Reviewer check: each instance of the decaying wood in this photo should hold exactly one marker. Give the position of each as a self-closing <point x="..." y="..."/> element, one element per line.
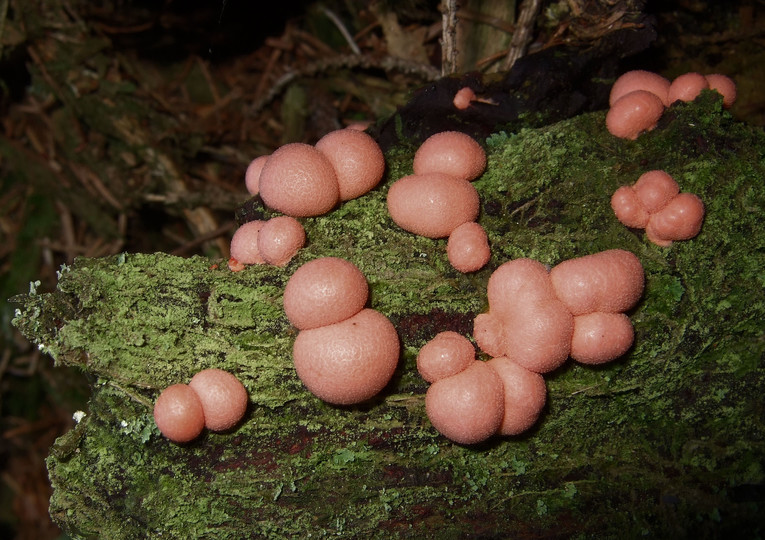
<point x="667" y="441"/>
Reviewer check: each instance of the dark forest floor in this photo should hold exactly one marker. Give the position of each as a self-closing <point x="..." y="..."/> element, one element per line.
<point x="238" y="86"/>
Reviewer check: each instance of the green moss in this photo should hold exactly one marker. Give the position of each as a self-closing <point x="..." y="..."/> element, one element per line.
<point x="666" y="441"/>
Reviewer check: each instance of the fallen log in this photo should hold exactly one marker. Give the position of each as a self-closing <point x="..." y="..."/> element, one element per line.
<point x="666" y="441"/>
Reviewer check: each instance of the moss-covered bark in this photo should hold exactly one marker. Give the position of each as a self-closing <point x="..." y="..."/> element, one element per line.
<point x="668" y="441"/>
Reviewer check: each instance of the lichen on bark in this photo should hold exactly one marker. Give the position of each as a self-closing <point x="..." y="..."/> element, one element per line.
<point x="666" y="441"/>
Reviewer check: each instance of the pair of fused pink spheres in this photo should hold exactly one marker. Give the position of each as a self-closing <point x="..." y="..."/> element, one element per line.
<point x="213" y="399"/>
<point x="654" y="203"/>
<point x="301" y="180"/>
<point x="469" y="400"/>
<point x="439" y="201"/>
<point x="344" y="353"/>
<point x="274" y="241"/>
<point x="638" y="98"/>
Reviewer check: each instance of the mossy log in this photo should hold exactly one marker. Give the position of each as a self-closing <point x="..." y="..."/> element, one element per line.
<point x="667" y="441"/>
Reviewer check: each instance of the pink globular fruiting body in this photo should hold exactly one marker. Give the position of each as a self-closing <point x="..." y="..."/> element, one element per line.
<point x="526" y="321"/>
<point x="489" y="333"/>
<point x="634" y="113"/>
<point x="628" y="208"/>
<point x="655" y="189"/>
<point x="640" y="80"/>
<point x="654" y="203"/>
<point x="610" y="281"/>
<point x="433" y="204"/>
<point x="274" y="241"/>
<point x="600" y="337"/>
<point x="463" y="97"/>
<point x="447" y="354"/>
<point x="299" y="181"/>
<point x="523" y="277"/>
<point x="178" y="413"/>
<point x="324" y="291"/>
<point x="223" y="398"/>
<point x="349" y="361"/>
<point x="725" y="86"/>
<point x="467" y="407"/>
<point x="538" y="336"/>
<point x="468" y="247"/>
<point x="214" y="399"/>
<point x="244" y="243"/>
<point x="279" y="239"/>
<point x="687" y="87"/>
<point x="450" y="152"/>
<point x="680" y="219"/>
<point x="357" y="159"/>
<point x="252" y="174"/>
<point x="344" y="353"/>
<point x="525" y="395"/>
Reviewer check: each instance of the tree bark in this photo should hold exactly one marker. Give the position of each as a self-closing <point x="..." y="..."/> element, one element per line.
<point x="666" y="441"/>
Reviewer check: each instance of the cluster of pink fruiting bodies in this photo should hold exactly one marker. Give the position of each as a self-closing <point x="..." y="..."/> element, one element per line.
<point x="638" y="98"/>
<point x="346" y="353"/>
<point x="654" y="203"/>
<point x="537" y="319"/>
<point x="300" y="180"/>
<point x="438" y="200"/>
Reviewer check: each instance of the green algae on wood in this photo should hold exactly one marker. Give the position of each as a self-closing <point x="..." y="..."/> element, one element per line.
<point x="667" y="441"/>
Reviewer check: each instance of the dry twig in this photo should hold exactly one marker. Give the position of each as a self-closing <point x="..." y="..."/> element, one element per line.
<point x="520" y="42"/>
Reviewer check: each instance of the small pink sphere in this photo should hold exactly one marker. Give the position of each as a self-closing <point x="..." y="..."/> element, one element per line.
<point x="539" y="335"/>
<point x="634" y="113"/>
<point x="244" y="243"/>
<point x="433" y="204"/>
<point x="350" y="361"/>
<point x="489" y="333"/>
<point x="681" y="219"/>
<point x="445" y="355"/>
<point x="610" y="280"/>
<point x="252" y="174"/>
<point x="687" y="87"/>
<point x="324" y="291"/>
<point x="468" y="247"/>
<point x="520" y="278"/>
<point x="525" y="395"/>
<point x="463" y="97"/>
<point x="223" y="397"/>
<point x="279" y="239"/>
<point x="178" y="413"/>
<point x="640" y="80"/>
<point x="450" y="152"/>
<point x="357" y="159"/>
<point x="655" y="189"/>
<point x="467" y="407"/>
<point x="601" y="337"/>
<point x="299" y="181"/>
<point x="725" y="86"/>
<point x="628" y="208"/>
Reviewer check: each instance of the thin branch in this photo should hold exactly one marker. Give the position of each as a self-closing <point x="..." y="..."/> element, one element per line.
<point x="363" y="61"/>
<point x="343" y="30"/>
<point x="520" y="42"/>
<point x="449" y="37"/>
